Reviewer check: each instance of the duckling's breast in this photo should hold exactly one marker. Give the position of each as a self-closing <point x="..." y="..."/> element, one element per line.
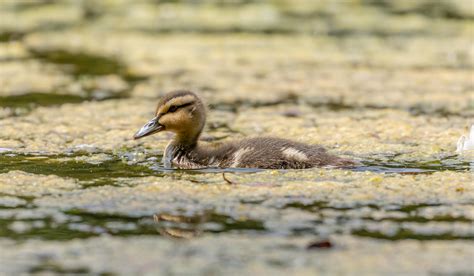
<point x="186" y="158"/>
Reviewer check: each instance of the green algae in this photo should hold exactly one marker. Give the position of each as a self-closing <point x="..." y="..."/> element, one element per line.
<point x="450" y="163"/>
<point x="404" y="234"/>
<point x="55" y="268"/>
<point x="81" y="225"/>
<point x="49" y="230"/>
<point x="31" y="100"/>
<point x="28" y="5"/>
<point x="308" y="78"/>
<point x="81" y="63"/>
<point x="10" y="36"/>
<point x="105" y="172"/>
<point x="438" y="9"/>
<point x="102" y="172"/>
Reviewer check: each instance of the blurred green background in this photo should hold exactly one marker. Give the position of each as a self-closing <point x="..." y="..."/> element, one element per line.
<point x="326" y="17"/>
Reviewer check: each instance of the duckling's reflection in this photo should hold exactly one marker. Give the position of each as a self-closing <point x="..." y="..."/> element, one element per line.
<point x="179" y="226"/>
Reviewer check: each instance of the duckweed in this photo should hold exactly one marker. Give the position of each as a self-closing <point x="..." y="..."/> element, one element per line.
<point x="80" y="63"/>
<point x="79" y="196"/>
<point x="70" y="168"/>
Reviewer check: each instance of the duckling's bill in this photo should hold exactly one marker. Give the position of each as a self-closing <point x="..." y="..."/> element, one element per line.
<point x="153" y="126"/>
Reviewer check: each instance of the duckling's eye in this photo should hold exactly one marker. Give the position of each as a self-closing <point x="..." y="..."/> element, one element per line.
<point x="172" y="108"/>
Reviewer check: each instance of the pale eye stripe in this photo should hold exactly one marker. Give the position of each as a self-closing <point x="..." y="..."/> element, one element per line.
<point x="181" y="100"/>
<point x="173" y="108"/>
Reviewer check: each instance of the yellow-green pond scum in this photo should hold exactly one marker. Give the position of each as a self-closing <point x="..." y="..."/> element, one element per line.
<point x="387" y="83"/>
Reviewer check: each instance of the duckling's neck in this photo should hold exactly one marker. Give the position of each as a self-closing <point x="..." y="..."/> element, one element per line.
<point x="179" y="148"/>
<point x="186" y="140"/>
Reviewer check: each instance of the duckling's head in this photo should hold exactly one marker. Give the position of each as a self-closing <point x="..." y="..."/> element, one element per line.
<point x="181" y="112"/>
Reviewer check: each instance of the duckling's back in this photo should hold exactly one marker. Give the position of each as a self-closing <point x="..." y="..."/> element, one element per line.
<point x="275" y="153"/>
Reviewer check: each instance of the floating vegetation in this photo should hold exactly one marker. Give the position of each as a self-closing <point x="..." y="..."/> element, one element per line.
<point x="50" y="165"/>
<point x="85" y="64"/>
<point x="81" y="63"/>
<point x="22" y="104"/>
<point x="83" y="224"/>
<point x="79" y="196"/>
<point x="10" y="36"/>
<point x="403" y="234"/>
<point x="38" y="99"/>
<point x="116" y="167"/>
<point x="47" y="99"/>
<point x="451" y="163"/>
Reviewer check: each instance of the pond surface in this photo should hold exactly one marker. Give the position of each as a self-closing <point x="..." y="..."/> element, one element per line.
<point x="79" y="196"/>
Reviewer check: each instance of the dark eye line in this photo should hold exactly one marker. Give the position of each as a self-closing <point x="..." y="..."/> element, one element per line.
<point x="173" y="108"/>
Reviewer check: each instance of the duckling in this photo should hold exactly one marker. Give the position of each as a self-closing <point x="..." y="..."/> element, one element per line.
<point x="183" y="113"/>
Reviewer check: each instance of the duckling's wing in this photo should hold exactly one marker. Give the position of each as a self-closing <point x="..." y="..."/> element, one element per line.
<point x="276" y="153"/>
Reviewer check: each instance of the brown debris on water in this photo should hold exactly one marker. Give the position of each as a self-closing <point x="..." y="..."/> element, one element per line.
<point x="320" y="245"/>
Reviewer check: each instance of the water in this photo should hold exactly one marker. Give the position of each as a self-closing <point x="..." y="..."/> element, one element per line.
<point x="85" y="224"/>
<point x="449" y="163"/>
<point x="282" y="70"/>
